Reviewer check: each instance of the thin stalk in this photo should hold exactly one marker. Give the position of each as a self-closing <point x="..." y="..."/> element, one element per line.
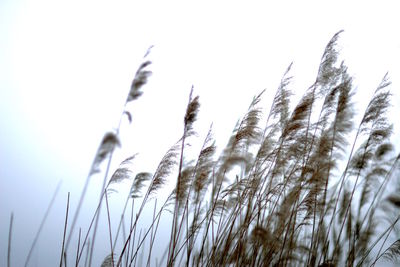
<point x="65" y="231"/>
<point x="9" y="241"/>
<point x="176" y="210"/>
<point x="87" y="252"/>
<point x="103" y="190"/>
<point x="42" y="224"/>
<point x="109" y="229"/>
<point x="131" y="243"/>
<point x="151" y="234"/>
<point x="140" y="234"/>
<point x="77" y="250"/>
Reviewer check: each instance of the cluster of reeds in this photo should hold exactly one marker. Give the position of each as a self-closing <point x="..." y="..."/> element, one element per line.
<point x="308" y="187"/>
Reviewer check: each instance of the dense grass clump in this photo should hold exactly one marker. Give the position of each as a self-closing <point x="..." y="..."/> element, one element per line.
<point x="306" y="187"/>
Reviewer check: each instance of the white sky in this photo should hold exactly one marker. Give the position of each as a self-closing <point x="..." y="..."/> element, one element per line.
<point x="66" y="67"/>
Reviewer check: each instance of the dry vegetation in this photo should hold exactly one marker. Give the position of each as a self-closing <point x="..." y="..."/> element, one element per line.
<point x="306" y="187"/>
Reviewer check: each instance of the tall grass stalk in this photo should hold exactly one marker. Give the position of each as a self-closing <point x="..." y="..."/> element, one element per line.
<point x="65" y="232"/>
<point x="9" y="240"/>
<point x="42" y="223"/>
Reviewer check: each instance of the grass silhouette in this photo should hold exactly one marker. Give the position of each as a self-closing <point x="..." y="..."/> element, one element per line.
<point x="304" y="188"/>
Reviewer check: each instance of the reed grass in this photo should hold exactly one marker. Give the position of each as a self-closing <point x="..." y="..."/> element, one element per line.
<point x="307" y="186"/>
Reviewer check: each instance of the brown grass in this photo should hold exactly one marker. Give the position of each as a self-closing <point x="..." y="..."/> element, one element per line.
<point x="291" y="191"/>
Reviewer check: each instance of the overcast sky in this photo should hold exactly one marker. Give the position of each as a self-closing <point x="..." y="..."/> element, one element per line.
<point x="66" y="68"/>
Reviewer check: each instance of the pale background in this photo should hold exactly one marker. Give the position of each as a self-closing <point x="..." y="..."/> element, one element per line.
<point x="66" y="68"/>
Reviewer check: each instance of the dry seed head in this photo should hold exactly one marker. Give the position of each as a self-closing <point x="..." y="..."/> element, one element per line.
<point x="110" y="140"/>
